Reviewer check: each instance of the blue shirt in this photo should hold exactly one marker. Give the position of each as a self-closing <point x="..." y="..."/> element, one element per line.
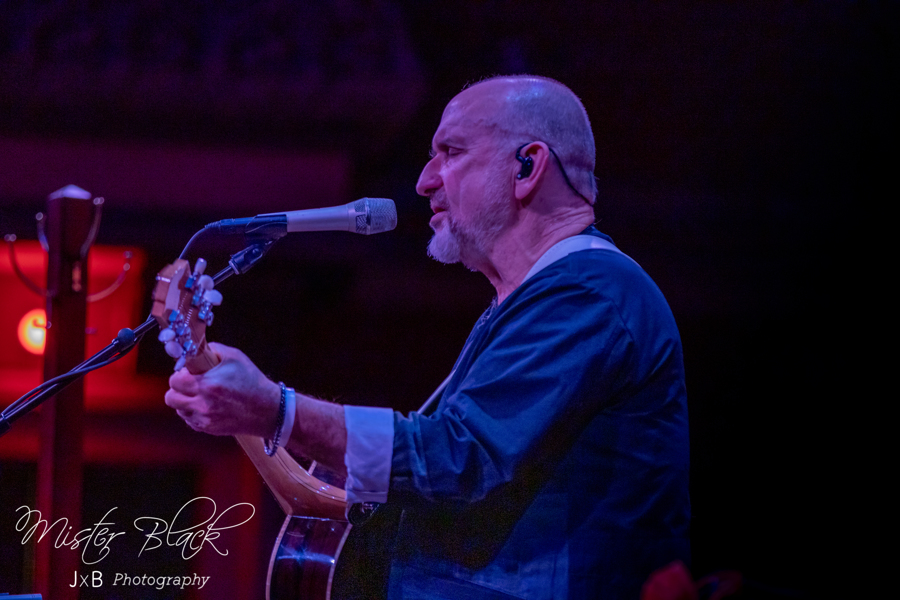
<point x="556" y="462"/>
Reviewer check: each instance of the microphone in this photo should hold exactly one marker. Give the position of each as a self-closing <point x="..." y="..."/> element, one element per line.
<point x="365" y="216"/>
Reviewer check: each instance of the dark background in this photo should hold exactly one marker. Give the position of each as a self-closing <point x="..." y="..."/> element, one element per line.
<point x="733" y="141"/>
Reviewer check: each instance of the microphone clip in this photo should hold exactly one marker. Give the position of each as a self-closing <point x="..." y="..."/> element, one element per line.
<point x="261" y="228"/>
<point x="242" y="261"/>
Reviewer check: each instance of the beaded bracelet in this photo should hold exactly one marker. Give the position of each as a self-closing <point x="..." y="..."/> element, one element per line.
<point x="285" y="422"/>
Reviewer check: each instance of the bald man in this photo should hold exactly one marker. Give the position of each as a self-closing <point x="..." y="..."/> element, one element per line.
<point x="553" y="462"/>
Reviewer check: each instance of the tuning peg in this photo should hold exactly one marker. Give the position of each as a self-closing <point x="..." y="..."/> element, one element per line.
<point x="166" y="335"/>
<point x="199" y="267"/>
<point x="206" y="282"/>
<point x="174" y="349"/>
<point x="214" y="297"/>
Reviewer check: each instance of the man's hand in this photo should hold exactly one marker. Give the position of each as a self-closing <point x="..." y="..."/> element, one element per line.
<point x="234" y="397"/>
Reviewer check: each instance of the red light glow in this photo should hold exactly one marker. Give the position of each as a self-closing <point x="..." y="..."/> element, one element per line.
<point x="33" y="331"/>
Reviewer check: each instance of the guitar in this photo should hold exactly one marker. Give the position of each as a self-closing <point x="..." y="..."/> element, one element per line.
<point x="316" y="533"/>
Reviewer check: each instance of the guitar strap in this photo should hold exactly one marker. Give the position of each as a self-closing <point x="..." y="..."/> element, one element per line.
<point x="423" y="410"/>
<point x="567" y="246"/>
<point x="556" y="252"/>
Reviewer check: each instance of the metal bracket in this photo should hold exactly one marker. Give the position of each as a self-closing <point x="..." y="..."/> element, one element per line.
<point x="88" y="242"/>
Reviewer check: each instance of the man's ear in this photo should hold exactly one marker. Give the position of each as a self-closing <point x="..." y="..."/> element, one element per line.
<point x="534" y="158"/>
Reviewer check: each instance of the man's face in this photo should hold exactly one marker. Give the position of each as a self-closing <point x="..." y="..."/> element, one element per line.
<point x="469" y="181"/>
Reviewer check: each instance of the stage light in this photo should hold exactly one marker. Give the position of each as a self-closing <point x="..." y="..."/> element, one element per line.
<point x="33" y="331"/>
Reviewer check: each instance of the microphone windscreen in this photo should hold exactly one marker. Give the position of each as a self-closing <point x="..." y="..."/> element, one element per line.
<point x="375" y="215"/>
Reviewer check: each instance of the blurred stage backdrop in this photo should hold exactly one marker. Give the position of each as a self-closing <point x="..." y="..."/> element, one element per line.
<point x="729" y="139"/>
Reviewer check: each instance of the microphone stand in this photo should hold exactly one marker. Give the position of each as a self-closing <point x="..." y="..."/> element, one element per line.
<point x="125" y="341"/>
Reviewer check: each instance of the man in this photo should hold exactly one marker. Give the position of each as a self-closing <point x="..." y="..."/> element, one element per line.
<point x="555" y="462"/>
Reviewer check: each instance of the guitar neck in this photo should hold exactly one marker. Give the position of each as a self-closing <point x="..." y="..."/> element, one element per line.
<point x="182" y="303"/>
<point x="296" y="490"/>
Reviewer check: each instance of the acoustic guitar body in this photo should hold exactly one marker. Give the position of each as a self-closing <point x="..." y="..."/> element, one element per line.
<point x="305" y="557"/>
<point x="331" y="559"/>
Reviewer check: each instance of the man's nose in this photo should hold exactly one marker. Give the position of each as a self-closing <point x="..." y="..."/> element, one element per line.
<point x="429" y="180"/>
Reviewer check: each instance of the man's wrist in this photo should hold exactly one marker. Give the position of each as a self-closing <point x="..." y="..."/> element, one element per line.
<point x="284" y="421"/>
<point x="290" y="414"/>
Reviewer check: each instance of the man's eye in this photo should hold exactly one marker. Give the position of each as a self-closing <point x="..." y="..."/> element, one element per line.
<point x="453" y="151"/>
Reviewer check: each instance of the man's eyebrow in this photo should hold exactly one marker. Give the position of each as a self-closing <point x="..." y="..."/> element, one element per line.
<point x="445" y="142"/>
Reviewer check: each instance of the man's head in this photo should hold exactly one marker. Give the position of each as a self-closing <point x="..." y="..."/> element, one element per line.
<point x="471" y="178"/>
<point x="542" y="109"/>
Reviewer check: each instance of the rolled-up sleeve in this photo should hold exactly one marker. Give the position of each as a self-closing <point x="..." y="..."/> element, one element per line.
<point x="370" y="442"/>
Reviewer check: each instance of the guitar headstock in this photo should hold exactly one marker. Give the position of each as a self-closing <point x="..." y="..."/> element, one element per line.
<point x="182" y="305"/>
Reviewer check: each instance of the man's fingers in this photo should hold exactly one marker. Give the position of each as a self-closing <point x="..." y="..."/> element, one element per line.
<point x="225" y="352"/>
<point x="183" y="382"/>
<point x="198" y="422"/>
<point x="218" y="401"/>
<point x="179" y="401"/>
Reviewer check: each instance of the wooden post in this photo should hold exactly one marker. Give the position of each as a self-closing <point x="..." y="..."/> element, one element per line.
<point x="59" y="478"/>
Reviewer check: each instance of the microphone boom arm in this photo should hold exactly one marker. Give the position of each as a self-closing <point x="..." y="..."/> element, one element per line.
<point x="238" y="264"/>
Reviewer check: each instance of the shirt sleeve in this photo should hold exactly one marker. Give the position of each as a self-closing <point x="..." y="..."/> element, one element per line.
<point x="546" y="364"/>
<point x="370" y="436"/>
